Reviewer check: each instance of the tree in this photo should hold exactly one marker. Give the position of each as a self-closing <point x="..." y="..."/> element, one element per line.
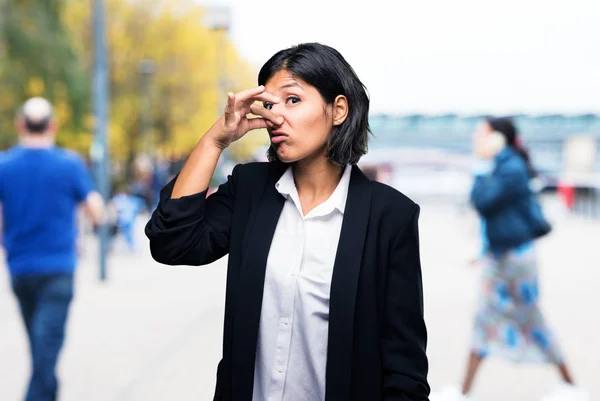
<point x="184" y="84"/>
<point x="46" y="48"/>
<point x="38" y="59"/>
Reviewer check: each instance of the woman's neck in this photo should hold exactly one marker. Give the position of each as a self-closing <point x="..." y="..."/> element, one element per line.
<point x="315" y="181"/>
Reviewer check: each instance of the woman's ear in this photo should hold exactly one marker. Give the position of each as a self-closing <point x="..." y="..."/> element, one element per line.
<point x="340" y="110"/>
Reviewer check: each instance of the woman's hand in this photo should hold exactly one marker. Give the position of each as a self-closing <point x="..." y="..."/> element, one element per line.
<point x="235" y="123"/>
<point x="231" y="126"/>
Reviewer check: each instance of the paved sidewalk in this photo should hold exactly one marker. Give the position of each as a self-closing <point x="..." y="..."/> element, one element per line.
<point x="153" y="333"/>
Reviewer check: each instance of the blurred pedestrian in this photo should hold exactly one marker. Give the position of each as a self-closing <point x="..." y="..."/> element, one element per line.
<point x="508" y="322"/>
<point x="144" y="181"/>
<point x="41" y="187"/>
<point x="324" y="295"/>
<point x="125" y="207"/>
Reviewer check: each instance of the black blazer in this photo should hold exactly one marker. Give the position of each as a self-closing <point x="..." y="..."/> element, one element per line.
<point x="377" y="335"/>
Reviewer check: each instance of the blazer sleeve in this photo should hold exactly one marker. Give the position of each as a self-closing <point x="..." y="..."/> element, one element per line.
<point x="192" y="230"/>
<point x="490" y="192"/>
<point x="405" y="364"/>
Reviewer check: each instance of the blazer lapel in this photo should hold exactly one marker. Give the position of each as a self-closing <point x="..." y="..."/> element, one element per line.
<point x="344" y="284"/>
<point x="250" y="286"/>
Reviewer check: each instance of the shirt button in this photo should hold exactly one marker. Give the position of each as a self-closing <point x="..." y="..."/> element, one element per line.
<point x="285" y="321"/>
<point x="280" y="370"/>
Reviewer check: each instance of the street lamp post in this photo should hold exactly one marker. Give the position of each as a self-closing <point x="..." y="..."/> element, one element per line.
<point x="218" y="19"/>
<point x="99" y="151"/>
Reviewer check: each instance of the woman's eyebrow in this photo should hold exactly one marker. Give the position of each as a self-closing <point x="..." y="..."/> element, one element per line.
<point x="291" y="84"/>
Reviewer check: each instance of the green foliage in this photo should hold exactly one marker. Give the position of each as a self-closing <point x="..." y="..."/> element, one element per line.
<point x="38" y="59"/>
<point x="46" y="49"/>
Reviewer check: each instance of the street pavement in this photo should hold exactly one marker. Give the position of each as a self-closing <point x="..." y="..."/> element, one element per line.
<point x="154" y="333"/>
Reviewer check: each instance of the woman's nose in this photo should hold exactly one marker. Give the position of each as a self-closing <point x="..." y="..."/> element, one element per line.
<point x="279" y="110"/>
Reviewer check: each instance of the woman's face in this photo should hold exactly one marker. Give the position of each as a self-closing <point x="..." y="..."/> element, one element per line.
<point x="481" y="132"/>
<point x="486" y="142"/>
<point x="483" y="129"/>
<point x="307" y="120"/>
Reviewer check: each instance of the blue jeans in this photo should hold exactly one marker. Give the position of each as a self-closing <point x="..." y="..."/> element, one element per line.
<point x="44" y="302"/>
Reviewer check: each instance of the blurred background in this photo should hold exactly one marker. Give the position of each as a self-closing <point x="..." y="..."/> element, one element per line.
<point x="135" y="84"/>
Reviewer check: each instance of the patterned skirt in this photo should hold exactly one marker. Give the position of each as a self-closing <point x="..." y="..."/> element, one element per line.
<point x="508" y="322"/>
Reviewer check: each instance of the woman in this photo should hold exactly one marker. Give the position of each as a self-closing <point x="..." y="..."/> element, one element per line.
<point x="324" y="295"/>
<point x="508" y="322"/>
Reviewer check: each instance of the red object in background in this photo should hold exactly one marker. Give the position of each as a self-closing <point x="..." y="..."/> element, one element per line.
<point x="566" y="192"/>
<point x="210" y="191"/>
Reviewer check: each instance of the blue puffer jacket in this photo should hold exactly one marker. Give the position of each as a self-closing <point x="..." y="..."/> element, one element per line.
<point x="502" y="198"/>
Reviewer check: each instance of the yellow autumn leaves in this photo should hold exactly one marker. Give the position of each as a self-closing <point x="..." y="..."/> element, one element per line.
<point x="185" y="97"/>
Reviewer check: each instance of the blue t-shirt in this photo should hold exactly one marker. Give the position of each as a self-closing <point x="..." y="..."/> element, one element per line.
<point x="40" y="190"/>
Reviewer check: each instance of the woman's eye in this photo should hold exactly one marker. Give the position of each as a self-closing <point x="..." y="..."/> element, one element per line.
<point x="293" y="99"/>
<point x="268" y="106"/>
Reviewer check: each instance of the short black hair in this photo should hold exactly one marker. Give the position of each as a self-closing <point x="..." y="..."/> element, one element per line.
<point x="324" y="68"/>
<point x="37" y="127"/>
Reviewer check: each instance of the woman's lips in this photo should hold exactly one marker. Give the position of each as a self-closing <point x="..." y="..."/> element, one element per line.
<point x="278" y="137"/>
<point x="275" y="139"/>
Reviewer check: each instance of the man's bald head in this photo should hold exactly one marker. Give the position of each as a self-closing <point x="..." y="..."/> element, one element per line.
<point x="37" y="116"/>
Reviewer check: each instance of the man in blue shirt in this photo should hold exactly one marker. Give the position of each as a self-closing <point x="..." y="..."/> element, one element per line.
<point x="41" y="187"/>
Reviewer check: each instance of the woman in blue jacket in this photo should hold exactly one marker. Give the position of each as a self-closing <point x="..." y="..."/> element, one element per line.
<point x="508" y="322"/>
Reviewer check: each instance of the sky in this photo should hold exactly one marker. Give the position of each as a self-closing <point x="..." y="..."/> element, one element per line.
<point x="436" y="56"/>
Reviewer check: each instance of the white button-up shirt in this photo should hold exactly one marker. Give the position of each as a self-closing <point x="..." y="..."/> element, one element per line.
<point x="291" y="353"/>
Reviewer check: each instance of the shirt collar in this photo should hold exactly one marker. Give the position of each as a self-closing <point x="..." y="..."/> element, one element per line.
<point x="287" y="187"/>
<point x="339" y="196"/>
